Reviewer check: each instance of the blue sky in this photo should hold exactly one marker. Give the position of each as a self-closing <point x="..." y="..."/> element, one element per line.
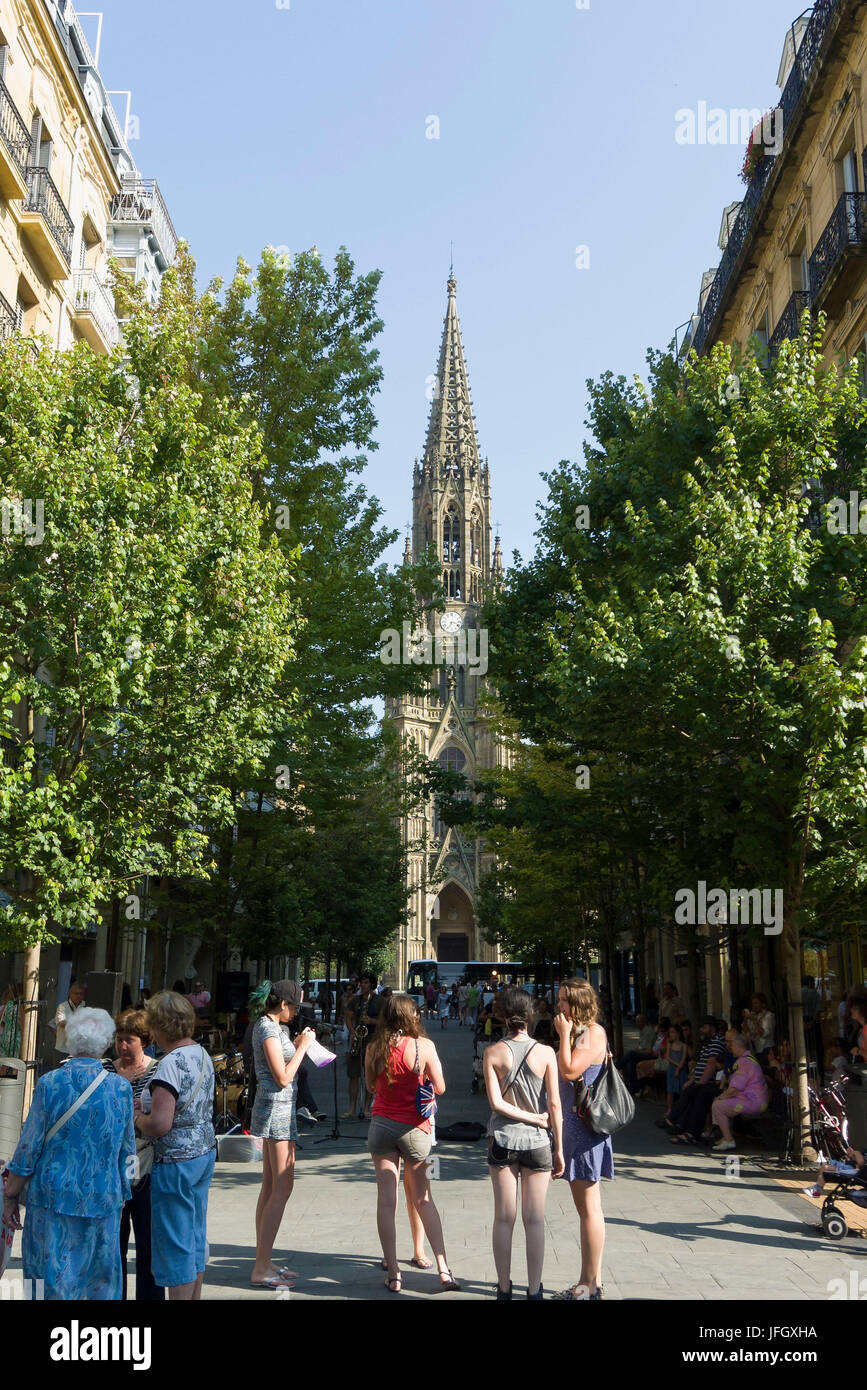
<point x="307" y="125"/>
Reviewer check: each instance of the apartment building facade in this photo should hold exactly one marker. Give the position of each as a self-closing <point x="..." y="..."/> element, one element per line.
<point x="71" y="199"/>
<point x="796" y="241"/>
<point x="71" y="196"/>
<point x="797" y="238"/>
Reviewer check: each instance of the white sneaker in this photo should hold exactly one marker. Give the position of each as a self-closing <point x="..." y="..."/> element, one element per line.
<point x="304" y="1114"/>
<point x="813" y="1191"/>
<point x="724" y="1145"/>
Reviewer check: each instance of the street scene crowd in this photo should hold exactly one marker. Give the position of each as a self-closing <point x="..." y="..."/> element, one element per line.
<point x="123" y="1145"/>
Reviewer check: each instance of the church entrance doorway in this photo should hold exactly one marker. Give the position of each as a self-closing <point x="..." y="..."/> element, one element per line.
<point x="453" y="946"/>
<point x="453" y="938"/>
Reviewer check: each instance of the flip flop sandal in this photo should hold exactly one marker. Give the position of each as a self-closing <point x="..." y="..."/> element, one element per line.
<point x="421" y="1264"/>
<point x="286" y="1273"/>
<point x="272" y="1282"/>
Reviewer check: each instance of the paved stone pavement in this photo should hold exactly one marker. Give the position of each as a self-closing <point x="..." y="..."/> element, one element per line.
<point x="678" y="1227"/>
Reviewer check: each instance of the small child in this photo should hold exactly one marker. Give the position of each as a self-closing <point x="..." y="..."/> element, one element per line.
<point x="837" y="1168"/>
<point x="678" y="1060"/>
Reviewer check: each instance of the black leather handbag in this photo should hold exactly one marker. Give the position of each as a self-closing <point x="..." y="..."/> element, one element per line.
<point x="605" y="1106"/>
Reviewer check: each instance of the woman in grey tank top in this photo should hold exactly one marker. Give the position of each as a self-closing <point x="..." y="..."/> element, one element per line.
<point x="524" y="1095"/>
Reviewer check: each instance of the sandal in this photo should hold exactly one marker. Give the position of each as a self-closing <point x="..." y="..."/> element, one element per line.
<point x="450" y="1283"/>
<point x="274" y="1281"/>
<point x="423" y="1263"/>
<point x="286" y="1273"/>
<point x="395" y="1279"/>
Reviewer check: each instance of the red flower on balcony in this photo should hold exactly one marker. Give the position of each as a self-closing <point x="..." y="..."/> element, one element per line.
<point x="763" y="134"/>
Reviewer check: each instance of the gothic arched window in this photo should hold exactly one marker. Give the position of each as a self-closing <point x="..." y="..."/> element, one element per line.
<point x="475" y="539"/>
<point x="451" y="760"/>
<point x="451" y="536"/>
<point x="452" y="583"/>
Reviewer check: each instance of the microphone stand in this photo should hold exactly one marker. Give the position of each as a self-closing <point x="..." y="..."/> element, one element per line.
<point x="335" y="1133"/>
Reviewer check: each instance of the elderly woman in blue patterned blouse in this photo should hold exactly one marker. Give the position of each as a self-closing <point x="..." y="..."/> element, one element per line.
<point x="79" y="1158"/>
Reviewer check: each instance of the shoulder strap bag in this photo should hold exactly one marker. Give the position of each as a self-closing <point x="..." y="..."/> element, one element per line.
<point x="605" y="1106"/>
<point x="65" y="1117"/>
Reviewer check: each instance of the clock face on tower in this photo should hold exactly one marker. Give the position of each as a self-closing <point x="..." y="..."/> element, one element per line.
<point x="451" y="623"/>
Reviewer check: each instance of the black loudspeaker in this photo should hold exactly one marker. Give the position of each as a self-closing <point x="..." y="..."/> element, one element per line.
<point x="233" y="990"/>
<point x="104" y="991"/>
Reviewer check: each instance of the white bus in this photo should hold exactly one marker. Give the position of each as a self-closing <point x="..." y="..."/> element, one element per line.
<point x="421" y="973"/>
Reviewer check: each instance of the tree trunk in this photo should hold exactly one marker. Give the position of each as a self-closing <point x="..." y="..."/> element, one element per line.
<point x="803" y="1150"/>
<point x="617" y="1004"/>
<point x="30" y="1022"/>
<point x="326" y="1012"/>
<point x="696" y="1006"/>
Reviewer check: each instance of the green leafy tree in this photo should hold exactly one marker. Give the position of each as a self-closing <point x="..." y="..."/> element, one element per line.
<point x="295" y="345"/>
<point x="144" y="637"/>
<point x="703" y="626"/>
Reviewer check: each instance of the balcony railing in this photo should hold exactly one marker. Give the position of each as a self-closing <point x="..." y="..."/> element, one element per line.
<point x="847" y="227"/>
<point x="13" y="131"/>
<point x="91" y="297"/>
<point x="43" y="197"/>
<point x="140" y="201"/>
<point x="791" y="100"/>
<point x="789" y="325"/>
<point x="8" y="319"/>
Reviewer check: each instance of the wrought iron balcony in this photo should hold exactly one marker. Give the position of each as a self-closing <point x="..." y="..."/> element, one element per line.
<point x="15" y="146"/>
<point x="44" y="208"/>
<point x="793" y="104"/>
<point x="93" y="312"/>
<point x="8" y="319"/>
<point x="847" y="228"/>
<point x="140" y="201"/>
<point x="789" y="325"/>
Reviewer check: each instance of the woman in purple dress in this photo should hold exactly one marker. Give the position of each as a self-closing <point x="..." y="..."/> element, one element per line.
<point x="583" y="1048"/>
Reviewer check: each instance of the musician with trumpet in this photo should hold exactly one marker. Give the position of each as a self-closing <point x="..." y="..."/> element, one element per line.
<point x="361" y="1016"/>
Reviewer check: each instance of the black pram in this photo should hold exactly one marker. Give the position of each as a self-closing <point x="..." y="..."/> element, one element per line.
<point x="848" y="1186"/>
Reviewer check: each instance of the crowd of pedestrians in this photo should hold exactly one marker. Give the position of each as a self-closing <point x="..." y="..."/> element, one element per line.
<point x="109" y="1145"/>
<point x="121" y="1147"/>
<point x="732" y="1072"/>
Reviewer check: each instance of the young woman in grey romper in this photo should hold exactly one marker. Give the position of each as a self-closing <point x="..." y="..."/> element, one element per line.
<point x="524" y="1096"/>
<point x="276" y="1059"/>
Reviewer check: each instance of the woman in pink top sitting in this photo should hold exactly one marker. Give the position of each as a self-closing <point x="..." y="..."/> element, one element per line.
<point x="397" y="1059"/>
<point x="747" y="1092"/>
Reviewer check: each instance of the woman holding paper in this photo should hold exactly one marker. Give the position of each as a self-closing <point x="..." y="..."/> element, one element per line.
<point x="276" y="1060"/>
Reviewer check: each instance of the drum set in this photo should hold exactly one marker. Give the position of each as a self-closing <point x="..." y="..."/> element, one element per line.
<point x="232" y="1081"/>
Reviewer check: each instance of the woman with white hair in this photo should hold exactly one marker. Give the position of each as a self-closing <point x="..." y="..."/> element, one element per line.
<point x="77" y="1148"/>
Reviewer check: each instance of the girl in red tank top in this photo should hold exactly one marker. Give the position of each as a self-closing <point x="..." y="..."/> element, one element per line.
<point x="396" y="1086"/>
<point x="398" y="1134"/>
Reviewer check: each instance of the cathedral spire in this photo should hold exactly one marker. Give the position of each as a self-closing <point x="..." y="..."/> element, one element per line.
<point x="451" y="434"/>
<point x="497" y="562"/>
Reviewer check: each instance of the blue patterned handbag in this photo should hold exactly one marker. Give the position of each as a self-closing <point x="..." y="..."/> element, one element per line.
<point x="425" y="1101"/>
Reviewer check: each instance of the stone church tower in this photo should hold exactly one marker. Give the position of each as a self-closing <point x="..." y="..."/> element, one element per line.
<point x="451" y="502"/>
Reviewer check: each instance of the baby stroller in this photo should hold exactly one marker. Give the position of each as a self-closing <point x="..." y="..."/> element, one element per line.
<point x="849" y="1185"/>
